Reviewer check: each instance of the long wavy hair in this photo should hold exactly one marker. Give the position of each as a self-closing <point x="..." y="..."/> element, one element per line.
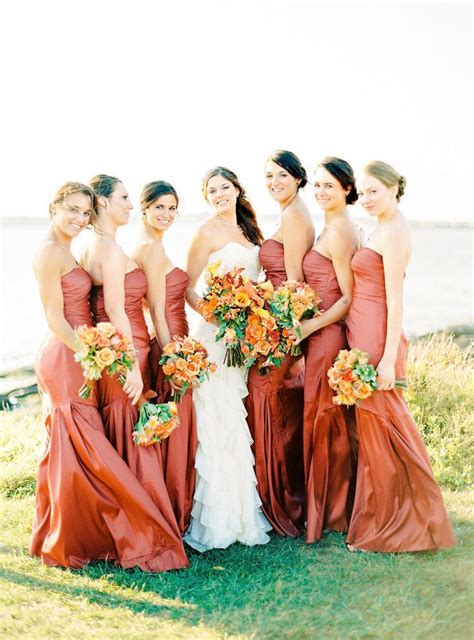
<point x="246" y="216"/>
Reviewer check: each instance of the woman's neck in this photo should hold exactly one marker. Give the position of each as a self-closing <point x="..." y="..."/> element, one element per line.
<point x="151" y="233"/>
<point x="105" y="227"/>
<point x="284" y="204"/>
<point x="389" y="214"/>
<point x="56" y="235"/>
<point x="332" y="214"/>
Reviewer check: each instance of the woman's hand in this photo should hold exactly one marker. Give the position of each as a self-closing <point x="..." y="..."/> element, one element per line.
<point x="385" y="376"/>
<point x="305" y="330"/>
<point x="133" y="386"/>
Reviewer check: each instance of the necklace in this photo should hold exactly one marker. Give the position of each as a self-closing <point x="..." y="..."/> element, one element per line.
<point x="229" y="225"/>
<point x="104" y="234"/>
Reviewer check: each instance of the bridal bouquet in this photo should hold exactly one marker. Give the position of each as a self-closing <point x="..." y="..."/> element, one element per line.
<point x="184" y="361"/>
<point x="264" y="342"/>
<point x="230" y="298"/>
<point x="155" y="423"/>
<point x="353" y="378"/>
<point x="98" y="348"/>
<point x="292" y="302"/>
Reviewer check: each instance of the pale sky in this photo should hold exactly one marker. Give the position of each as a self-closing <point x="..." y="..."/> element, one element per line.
<point x="152" y="90"/>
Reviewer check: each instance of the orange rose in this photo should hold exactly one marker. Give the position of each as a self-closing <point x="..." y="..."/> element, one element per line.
<point x="169" y="368"/>
<point x="88" y="335"/>
<point x="263" y="347"/>
<point x="192" y="369"/>
<point x="104" y="357"/>
<point x="257" y="331"/>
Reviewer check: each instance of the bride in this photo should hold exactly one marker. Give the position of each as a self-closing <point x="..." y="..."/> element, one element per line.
<point x="226" y="505"/>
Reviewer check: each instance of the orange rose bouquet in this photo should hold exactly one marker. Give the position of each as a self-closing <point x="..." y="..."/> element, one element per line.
<point x="184" y="361"/>
<point x="98" y="348"/>
<point x="264" y="342"/>
<point x="155" y="423"/>
<point x="230" y="298"/>
<point x="292" y="302"/>
<point x="353" y="378"/>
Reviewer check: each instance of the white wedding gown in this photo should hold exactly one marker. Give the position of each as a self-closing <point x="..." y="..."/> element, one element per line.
<point x="226" y="506"/>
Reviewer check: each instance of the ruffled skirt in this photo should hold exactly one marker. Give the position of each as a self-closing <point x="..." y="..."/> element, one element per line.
<point x="226" y="506"/>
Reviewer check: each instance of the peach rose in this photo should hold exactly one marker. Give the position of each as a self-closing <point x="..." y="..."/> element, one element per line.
<point x="169" y="368"/>
<point x="88" y="335"/>
<point x="104" y="357"/>
<point x="106" y="329"/>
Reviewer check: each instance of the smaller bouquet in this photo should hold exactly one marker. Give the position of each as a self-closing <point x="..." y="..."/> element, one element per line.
<point x="98" y="348"/>
<point x="353" y="378"/>
<point x="230" y="297"/>
<point x="155" y="423"/>
<point x="264" y="342"/>
<point x="184" y="360"/>
<point x="292" y="302"/>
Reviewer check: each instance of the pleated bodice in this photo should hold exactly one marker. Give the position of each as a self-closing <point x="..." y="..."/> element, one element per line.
<point x="369" y="302"/>
<point x="272" y="259"/>
<point x="319" y="273"/>
<point x="177" y="282"/>
<point x="76" y="286"/>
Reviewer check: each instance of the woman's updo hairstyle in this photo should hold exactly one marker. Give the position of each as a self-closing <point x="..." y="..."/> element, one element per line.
<point x="290" y="162"/>
<point x="69" y="189"/>
<point x="387" y="175"/>
<point x="154" y="190"/>
<point x="103" y="185"/>
<point x="246" y="216"/>
<point x="344" y="174"/>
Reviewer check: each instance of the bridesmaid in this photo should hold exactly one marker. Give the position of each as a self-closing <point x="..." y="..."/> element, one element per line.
<point x="398" y="505"/>
<point x="167" y="286"/>
<point x="89" y="506"/>
<point x="119" y="287"/>
<point x="275" y="401"/>
<point x="327" y="269"/>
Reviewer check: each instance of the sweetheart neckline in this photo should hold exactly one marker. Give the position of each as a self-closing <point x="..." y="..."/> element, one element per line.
<point x="248" y="249"/>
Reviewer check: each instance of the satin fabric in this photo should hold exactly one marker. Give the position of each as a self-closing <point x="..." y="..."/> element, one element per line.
<point x="275" y="418"/>
<point x="398" y="505"/>
<point x="89" y="506"/>
<point x="120" y="416"/>
<point x="179" y="450"/>
<point x="328" y="458"/>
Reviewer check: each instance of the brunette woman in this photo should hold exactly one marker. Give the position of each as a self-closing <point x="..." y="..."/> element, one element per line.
<point x="119" y="287"/>
<point x="226" y="505"/>
<point x="89" y="505"/>
<point x="327" y="269"/>
<point x="275" y="401"/>
<point x="167" y="286"/>
<point x="398" y="505"/>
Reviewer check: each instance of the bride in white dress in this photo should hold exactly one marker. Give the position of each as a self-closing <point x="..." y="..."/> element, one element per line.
<point x="226" y="506"/>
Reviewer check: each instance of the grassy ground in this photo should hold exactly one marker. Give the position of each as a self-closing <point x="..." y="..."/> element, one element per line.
<point x="285" y="589"/>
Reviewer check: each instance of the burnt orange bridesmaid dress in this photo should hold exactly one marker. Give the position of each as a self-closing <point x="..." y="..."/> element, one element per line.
<point x="327" y="449"/>
<point x="118" y="413"/>
<point x="179" y="450"/>
<point x="275" y="419"/>
<point x="398" y="505"/>
<point x="89" y="506"/>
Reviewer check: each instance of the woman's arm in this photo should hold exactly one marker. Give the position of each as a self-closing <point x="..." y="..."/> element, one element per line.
<point x="153" y="263"/>
<point x="112" y="268"/>
<point x="293" y="231"/>
<point x="198" y="255"/>
<point x="340" y="249"/>
<point x="49" y="266"/>
<point x="395" y="259"/>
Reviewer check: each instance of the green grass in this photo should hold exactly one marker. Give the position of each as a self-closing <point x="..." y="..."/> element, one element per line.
<point x="285" y="589"/>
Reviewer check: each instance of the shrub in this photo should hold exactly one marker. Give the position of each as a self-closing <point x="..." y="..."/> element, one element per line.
<point x="441" y="399"/>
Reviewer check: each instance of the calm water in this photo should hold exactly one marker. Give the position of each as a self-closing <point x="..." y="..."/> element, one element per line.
<point x="438" y="286"/>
